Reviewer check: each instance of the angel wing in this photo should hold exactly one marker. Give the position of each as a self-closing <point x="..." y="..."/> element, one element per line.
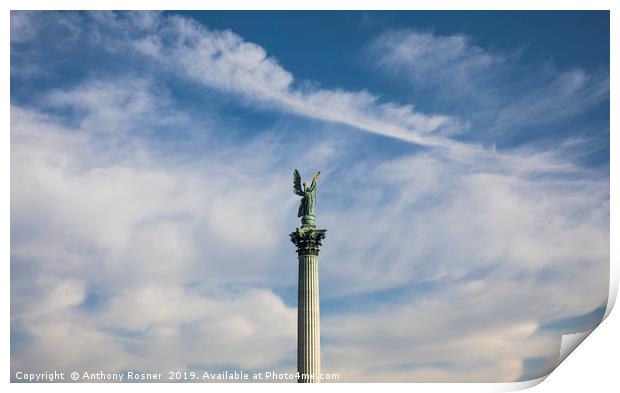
<point x="297" y="183"/>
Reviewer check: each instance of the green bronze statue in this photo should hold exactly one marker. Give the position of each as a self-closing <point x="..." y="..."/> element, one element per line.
<point x="308" y="194"/>
<point x="307" y="238"/>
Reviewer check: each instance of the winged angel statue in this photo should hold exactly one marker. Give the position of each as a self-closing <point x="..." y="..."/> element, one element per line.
<point x="308" y="194"/>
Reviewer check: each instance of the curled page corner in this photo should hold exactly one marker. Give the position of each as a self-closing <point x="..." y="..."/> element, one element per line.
<point x="570" y="342"/>
<point x="567" y="345"/>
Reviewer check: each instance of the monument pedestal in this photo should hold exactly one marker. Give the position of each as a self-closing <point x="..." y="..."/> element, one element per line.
<point x="308" y="239"/>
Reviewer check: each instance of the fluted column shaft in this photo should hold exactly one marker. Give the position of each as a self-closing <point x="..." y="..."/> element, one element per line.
<point x="307" y="239"/>
<point x="308" y="320"/>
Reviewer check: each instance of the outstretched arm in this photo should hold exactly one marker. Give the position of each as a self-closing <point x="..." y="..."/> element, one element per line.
<point x="315" y="177"/>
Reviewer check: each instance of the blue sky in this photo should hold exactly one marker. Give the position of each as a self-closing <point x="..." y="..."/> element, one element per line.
<point x="465" y="189"/>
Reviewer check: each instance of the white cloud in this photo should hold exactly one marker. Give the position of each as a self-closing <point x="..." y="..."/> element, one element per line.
<point x="89" y="219"/>
<point x="498" y="91"/>
<point x="158" y="328"/>
<point x="565" y="96"/>
<point x="105" y="195"/>
<point x="479" y="258"/>
<point x="22" y="29"/>
<point x="27" y="26"/>
<point x="429" y="60"/>
<point x="406" y="211"/>
<point x="398" y="341"/>
<point x="114" y="107"/>
<point x="223" y="60"/>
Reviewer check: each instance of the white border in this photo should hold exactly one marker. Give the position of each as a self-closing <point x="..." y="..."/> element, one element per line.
<point x="590" y="369"/>
<point x="313" y="5"/>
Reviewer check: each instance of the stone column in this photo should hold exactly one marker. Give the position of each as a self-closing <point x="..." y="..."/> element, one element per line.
<point x="308" y="241"/>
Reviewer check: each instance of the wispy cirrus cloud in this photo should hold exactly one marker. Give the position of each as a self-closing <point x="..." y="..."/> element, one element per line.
<point x="224" y="61"/>
<point x="563" y="97"/>
<point x="433" y="61"/>
<point x="499" y="92"/>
